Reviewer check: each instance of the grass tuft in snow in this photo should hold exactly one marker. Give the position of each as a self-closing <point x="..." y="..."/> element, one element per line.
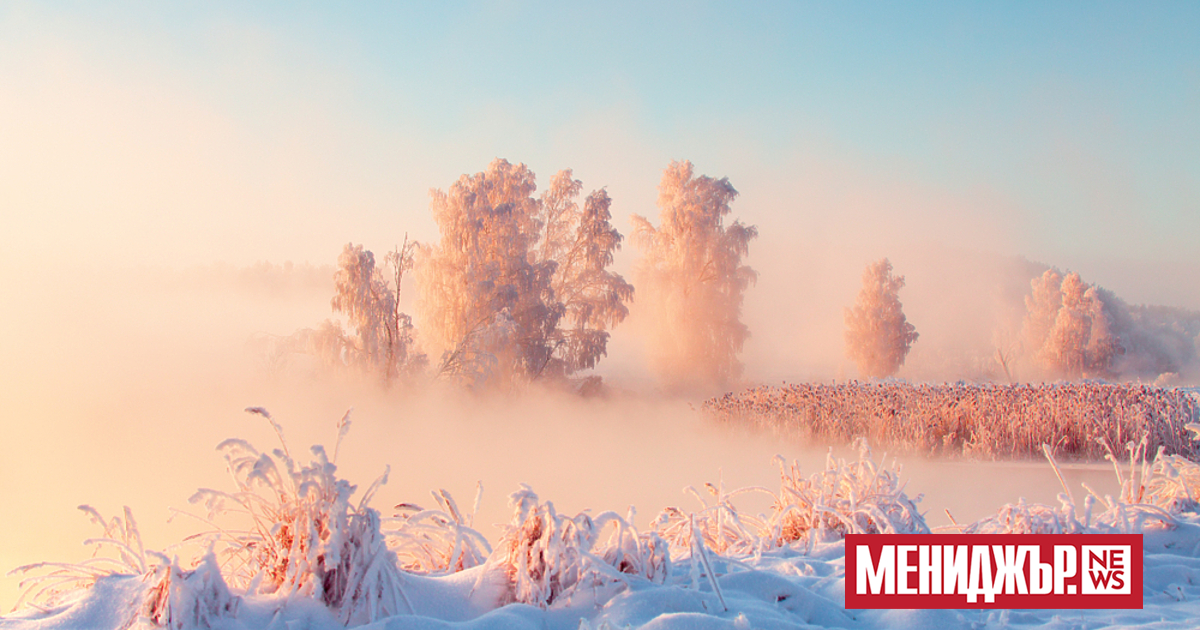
<point x="181" y="599"/>
<point x="118" y="551"/>
<point x="173" y="597"/>
<point x="547" y="556"/>
<point x="1151" y="496"/>
<point x="305" y="537"/>
<point x="847" y="497"/>
<point x="437" y="542"/>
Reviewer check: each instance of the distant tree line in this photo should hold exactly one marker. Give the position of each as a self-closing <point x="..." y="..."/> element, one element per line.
<point x="1074" y="330"/>
<point x="518" y="287"/>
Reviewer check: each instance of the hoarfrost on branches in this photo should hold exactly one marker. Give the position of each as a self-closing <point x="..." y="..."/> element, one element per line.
<point x="383" y="339"/>
<point x="510" y="267"/>
<point x="847" y="497"/>
<point x="380" y="340"/>
<point x="305" y="537"/>
<point x="437" y="541"/>
<point x="547" y="556"/>
<point x="581" y="243"/>
<point x="1152" y="495"/>
<point x="169" y="596"/>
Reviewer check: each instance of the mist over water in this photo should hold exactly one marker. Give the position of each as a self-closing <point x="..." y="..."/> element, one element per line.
<point x="118" y="391"/>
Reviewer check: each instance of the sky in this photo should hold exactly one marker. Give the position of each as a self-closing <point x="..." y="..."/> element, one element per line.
<point x="187" y="133"/>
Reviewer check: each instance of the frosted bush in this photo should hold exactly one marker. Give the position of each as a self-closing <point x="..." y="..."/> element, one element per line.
<point x="644" y="554"/>
<point x="188" y="599"/>
<point x="547" y="556"/>
<point x="1150" y="493"/>
<point x="1171" y="482"/>
<point x="304" y="536"/>
<point x="1113" y="517"/>
<point x="1175" y="484"/>
<point x="719" y="523"/>
<point x="1150" y="497"/>
<point x="118" y="551"/>
<point x="848" y="497"/>
<point x="1025" y="518"/>
<point x="173" y="597"/>
<point x="437" y="541"/>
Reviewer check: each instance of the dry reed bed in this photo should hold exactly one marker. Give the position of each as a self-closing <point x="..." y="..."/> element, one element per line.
<point x="985" y="421"/>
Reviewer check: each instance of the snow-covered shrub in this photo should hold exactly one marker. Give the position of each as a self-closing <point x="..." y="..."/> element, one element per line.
<point x="437" y="541"/>
<point x="118" y="551"/>
<point x="722" y="527"/>
<point x="1175" y="484"/>
<point x="1151" y="495"/>
<point x="848" y="497"/>
<point x="188" y="599"/>
<point x="1030" y="518"/>
<point x="1114" y="517"/>
<point x="630" y="552"/>
<point x="173" y="597"/>
<point x="304" y="536"/>
<point x="1171" y="482"/>
<point x="547" y="556"/>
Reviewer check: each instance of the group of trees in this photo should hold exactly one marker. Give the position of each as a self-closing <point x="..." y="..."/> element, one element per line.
<point x="1071" y="330"/>
<point x="1069" y="326"/>
<point x="518" y="288"/>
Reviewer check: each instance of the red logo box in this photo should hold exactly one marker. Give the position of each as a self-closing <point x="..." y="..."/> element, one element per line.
<point x="993" y="571"/>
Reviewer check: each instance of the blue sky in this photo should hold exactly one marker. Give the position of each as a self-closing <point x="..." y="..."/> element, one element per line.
<point x="187" y="133"/>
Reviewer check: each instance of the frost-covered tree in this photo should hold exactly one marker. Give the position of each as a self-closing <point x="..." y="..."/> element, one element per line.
<point x="484" y="299"/>
<point x="361" y="293"/>
<point x="509" y="268"/>
<point x="400" y="342"/>
<point x="581" y="242"/>
<point x="381" y="338"/>
<point x="693" y="281"/>
<point x="878" y="336"/>
<point x="1069" y="327"/>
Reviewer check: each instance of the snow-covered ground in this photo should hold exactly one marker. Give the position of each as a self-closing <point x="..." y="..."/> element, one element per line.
<point x="307" y="557"/>
<point x="782" y="589"/>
